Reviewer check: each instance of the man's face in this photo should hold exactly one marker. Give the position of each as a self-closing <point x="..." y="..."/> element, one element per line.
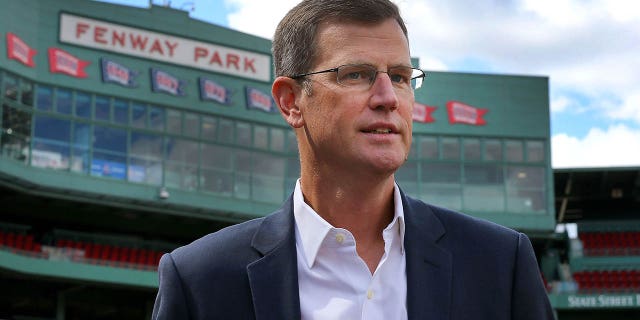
<point x="358" y="129"/>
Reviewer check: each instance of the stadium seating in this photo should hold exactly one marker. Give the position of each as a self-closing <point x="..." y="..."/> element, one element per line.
<point x="608" y="280"/>
<point x="20" y="242"/>
<point x="610" y="243"/>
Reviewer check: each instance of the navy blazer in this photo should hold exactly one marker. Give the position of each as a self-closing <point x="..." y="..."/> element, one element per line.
<point x="458" y="267"/>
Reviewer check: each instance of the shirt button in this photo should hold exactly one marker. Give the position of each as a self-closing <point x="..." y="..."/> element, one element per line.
<point x="339" y="237"/>
<point x="369" y="294"/>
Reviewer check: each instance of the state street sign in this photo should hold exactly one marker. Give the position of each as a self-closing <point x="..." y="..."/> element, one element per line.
<point x="595" y="301"/>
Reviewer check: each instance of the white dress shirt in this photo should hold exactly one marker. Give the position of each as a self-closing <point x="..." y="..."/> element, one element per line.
<point x="334" y="282"/>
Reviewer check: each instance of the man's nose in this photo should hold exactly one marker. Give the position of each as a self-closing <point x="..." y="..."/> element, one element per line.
<point x="383" y="93"/>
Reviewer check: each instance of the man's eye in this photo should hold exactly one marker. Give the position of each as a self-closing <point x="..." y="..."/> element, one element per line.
<point x="355" y="75"/>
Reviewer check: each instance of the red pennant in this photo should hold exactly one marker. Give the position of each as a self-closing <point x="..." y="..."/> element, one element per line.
<point x="19" y="50"/>
<point x="423" y="113"/>
<point x="464" y="113"/>
<point x="61" y="61"/>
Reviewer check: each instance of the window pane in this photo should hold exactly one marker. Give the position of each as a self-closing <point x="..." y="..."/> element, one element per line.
<point x="209" y="125"/>
<point x="103" y="108"/>
<point x="121" y="112"/>
<point x="182" y="150"/>
<point x="242" y="177"/>
<point x="145" y="161"/>
<point x="267" y="182"/>
<point x="277" y="139"/>
<point x="109" y="153"/>
<point x="191" y="124"/>
<point x="51" y="143"/>
<point x="45" y="98"/>
<point x="83" y="105"/>
<point x="441" y="184"/>
<point x="441" y="173"/>
<point x="260" y="138"/>
<point x="450" y="149"/>
<point x="407" y="177"/>
<point x="217" y="169"/>
<point x="174" y="121"/>
<point x="225" y="134"/>
<point x="483" y="189"/>
<point x="514" y="151"/>
<point x="27" y="92"/>
<point x="80" y="147"/>
<point x="428" y="147"/>
<point x="292" y="142"/>
<point x="526" y="189"/>
<point x="243" y="134"/>
<point x="492" y="150"/>
<point x="156" y="118"/>
<point x="535" y="151"/>
<point x="63" y="101"/>
<point x="15" y="134"/>
<point x="471" y="149"/>
<point x="138" y="115"/>
<point x="10" y="89"/>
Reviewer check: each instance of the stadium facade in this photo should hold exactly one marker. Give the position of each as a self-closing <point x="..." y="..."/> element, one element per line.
<point x="127" y="132"/>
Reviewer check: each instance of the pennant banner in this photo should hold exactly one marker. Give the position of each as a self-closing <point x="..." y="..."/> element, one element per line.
<point x="423" y="113"/>
<point x="61" y="61"/>
<point x="164" y="82"/>
<point x="117" y="73"/>
<point x="257" y="99"/>
<point x="463" y="113"/>
<point x="211" y="90"/>
<point x="19" y="50"/>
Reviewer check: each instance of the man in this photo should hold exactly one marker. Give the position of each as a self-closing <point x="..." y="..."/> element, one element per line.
<point x="348" y="243"/>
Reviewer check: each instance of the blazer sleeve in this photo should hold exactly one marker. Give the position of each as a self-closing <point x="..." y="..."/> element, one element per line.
<point x="171" y="301"/>
<point x="529" y="297"/>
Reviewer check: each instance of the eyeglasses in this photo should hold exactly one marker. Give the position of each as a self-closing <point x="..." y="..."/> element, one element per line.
<point x="362" y="76"/>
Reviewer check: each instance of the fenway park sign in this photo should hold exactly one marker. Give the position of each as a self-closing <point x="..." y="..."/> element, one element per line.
<point x="146" y="44"/>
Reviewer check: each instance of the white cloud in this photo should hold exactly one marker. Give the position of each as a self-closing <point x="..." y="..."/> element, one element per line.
<point x="257" y="17"/>
<point x="618" y="146"/>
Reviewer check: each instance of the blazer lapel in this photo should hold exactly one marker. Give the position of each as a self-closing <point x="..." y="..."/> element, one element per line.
<point x="274" y="277"/>
<point x="429" y="266"/>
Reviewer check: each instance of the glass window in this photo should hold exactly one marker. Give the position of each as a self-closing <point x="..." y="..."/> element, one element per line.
<point x="63" y="101"/>
<point x="156" y="118"/>
<point x="26" y="88"/>
<point x="441" y="184"/>
<point x="80" y="147"/>
<point x="191" y="124"/>
<point x="260" y="137"/>
<point x="535" y="151"/>
<point x="226" y="132"/>
<point x="109" y="153"/>
<point x="121" y="111"/>
<point x="492" y="150"/>
<point x="526" y="189"/>
<point x="51" y="143"/>
<point x="217" y="169"/>
<point x="428" y="147"/>
<point x="471" y="149"/>
<point x="45" y="98"/>
<point x="181" y="169"/>
<point x="483" y="188"/>
<point x="174" y="121"/>
<point x="292" y="142"/>
<point x="83" y="105"/>
<point x="10" y="89"/>
<point x="514" y="151"/>
<point x="145" y="158"/>
<point x="103" y="108"/>
<point x="407" y="177"/>
<point x="209" y="125"/>
<point x="138" y="115"/>
<point x="243" y="134"/>
<point x="15" y="134"/>
<point x="277" y="139"/>
<point x="450" y="149"/>
<point x="242" y="179"/>
<point x="267" y="183"/>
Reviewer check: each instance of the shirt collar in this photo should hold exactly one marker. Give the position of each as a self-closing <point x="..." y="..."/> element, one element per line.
<point x="311" y="229"/>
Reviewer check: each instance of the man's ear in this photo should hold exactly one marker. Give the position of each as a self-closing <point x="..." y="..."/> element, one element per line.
<point x="286" y="92"/>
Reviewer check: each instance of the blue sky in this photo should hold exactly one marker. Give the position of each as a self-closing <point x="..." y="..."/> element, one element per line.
<point x="588" y="49"/>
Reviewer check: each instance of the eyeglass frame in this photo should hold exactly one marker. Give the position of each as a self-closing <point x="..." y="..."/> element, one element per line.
<point x="373" y="79"/>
